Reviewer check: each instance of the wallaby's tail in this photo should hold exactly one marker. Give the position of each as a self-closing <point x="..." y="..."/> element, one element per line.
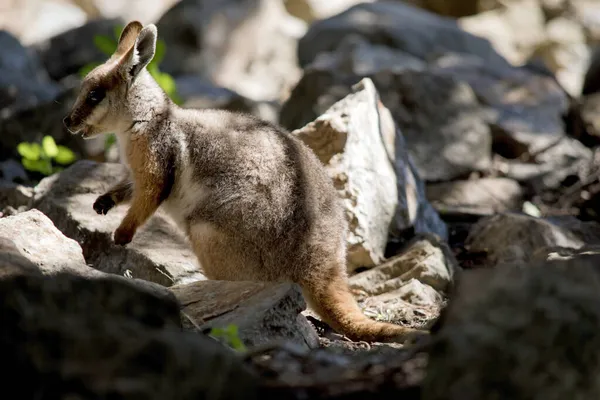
<point x="332" y="300"/>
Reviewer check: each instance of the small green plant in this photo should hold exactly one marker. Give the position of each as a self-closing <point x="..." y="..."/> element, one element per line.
<point x="43" y="157"/>
<point x="230" y="336"/>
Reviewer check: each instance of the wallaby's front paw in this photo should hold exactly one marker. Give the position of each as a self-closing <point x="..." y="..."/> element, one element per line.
<point x="103" y="204"/>
<point x="123" y="236"/>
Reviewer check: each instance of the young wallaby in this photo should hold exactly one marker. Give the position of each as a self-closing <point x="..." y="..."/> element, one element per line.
<point x="255" y="202"/>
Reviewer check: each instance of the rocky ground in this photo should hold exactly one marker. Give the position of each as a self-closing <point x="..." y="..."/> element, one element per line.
<point x="461" y="136"/>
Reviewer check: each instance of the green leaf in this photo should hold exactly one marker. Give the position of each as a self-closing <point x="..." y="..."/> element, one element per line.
<point x="86" y="69"/>
<point x="42" y="166"/>
<point x="166" y="82"/>
<point x="105" y="44"/>
<point x="49" y="146"/>
<point x="109" y="141"/>
<point x="117" y="30"/>
<point x="159" y="54"/>
<point x="30" y="151"/>
<point x="64" y="156"/>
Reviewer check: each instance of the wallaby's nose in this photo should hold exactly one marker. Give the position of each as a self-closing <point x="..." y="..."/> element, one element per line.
<point x="67" y="121"/>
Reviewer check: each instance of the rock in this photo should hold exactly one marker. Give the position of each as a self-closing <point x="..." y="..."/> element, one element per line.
<point x="396" y="25"/>
<point x="425" y="258"/>
<point x="23" y="80"/>
<point x="34" y="21"/>
<point x="32" y="238"/>
<point x="65" y="54"/>
<point x="591" y="81"/>
<point x="15" y="195"/>
<point x="551" y="166"/>
<point x="312" y="10"/>
<point x="46" y="247"/>
<point x="410" y="287"/>
<point x="451" y="123"/>
<point x="12" y="262"/>
<point x="527" y="333"/>
<point x="527" y="106"/>
<point x="590" y="114"/>
<point x="566" y="52"/>
<point x="159" y="253"/>
<point x="521" y="105"/>
<point x="143" y="11"/>
<point x="454" y="8"/>
<point x="511" y="238"/>
<point x="13" y="171"/>
<point x="246" y="46"/>
<point x="515" y="29"/>
<point x="262" y="312"/>
<point x="199" y="93"/>
<point x="355" y="140"/>
<point x="476" y="196"/>
<point x="587" y="13"/>
<point x="103" y="339"/>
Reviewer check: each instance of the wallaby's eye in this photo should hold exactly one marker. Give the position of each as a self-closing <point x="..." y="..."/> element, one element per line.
<point x="95" y="96"/>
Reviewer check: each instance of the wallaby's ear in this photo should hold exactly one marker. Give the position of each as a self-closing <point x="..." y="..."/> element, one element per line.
<point x="128" y="36"/>
<point x="143" y="50"/>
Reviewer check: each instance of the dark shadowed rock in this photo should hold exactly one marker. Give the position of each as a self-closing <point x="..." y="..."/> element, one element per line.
<point x="23" y="80"/>
<point x="15" y="195"/>
<point x="158" y="253"/>
<point x="397" y="25"/>
<point x="77" y="338"/>
<point x="443" y="82"/>
<point x="522" y="333"/>
<point x="65" y="54"/>
<point x="263" y="312"/>
<point x="515" y="238"/>
<point x="197" y="92"/>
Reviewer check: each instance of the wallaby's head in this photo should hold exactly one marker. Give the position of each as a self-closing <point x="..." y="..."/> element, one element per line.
<point x="101" y="105"/>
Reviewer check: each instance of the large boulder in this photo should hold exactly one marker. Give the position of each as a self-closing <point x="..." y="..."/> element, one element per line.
<point x="363" y="151"/>
<point x="99" y="338"/>
<point x="526" y="333"/>
<point x="420" y="53"/>
<point x="247" y="46"/>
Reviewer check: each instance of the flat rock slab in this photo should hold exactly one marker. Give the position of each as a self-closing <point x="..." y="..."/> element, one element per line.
<point x="409" y="288"/>
<point x="158" y="253"/>
<point x="477" y="196"/>
<point x="263" y="312"/>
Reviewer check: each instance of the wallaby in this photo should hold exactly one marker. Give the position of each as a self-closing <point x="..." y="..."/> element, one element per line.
<point x="255" y="202"/>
